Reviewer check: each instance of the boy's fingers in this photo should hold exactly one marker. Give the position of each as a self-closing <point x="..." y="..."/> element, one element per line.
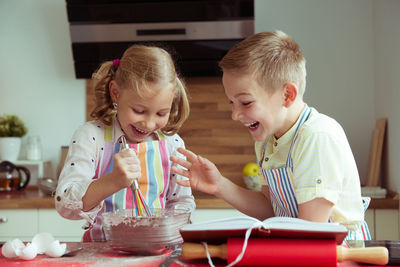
<point x="180" y="171"/>
<point x="184" y="163"/>
<point x="185" y="183"/>
<point x="189" y="154"/>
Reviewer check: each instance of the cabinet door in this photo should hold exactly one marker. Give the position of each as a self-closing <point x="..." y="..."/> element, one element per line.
<point x="386" y="224"/>
<point x="62" y="229"/>
<point x="18" y="223"/>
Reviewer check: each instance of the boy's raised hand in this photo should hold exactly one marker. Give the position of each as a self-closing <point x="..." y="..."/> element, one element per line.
<point x="203" y="174"/>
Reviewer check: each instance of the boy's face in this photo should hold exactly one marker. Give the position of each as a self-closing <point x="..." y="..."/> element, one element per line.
<point x="261" y="112"/>
<point x="140" y="117"/>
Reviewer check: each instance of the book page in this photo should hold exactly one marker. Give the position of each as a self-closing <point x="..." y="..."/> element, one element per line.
<point x="282" y="223"/>
<point x="288" y="223"/>
<point x="222" y="224"/>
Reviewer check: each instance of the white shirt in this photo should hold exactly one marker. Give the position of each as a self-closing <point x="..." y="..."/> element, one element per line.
<point x="323" y="166"/>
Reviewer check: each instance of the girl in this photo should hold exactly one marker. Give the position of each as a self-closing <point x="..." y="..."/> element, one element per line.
<point x="139" y="98"/>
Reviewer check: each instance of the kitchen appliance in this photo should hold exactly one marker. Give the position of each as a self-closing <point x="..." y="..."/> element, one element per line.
<point x="198" y="33"/>
<point x="13" y="177"/>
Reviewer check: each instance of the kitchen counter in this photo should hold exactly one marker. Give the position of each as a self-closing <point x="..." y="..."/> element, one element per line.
<point x="32" y="198"/>
<point x="99" y="254"/>
<point x="92" y="254"/>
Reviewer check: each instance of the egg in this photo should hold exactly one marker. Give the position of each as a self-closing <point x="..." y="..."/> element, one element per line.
<point x="56" y="249"/>
<point x="42" y="241"/>
<point x="12" y="247"/>
<point x="29" y="252"/>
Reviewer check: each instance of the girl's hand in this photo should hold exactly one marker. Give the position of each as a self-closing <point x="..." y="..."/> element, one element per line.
<point x="203" y="174"/>
<point x="126" y="168"/>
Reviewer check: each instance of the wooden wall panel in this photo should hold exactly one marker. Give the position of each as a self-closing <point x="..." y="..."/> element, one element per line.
<point x="210" y="130"/>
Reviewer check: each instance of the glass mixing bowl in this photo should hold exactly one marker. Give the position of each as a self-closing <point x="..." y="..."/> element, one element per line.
<point x="145" y="235"/>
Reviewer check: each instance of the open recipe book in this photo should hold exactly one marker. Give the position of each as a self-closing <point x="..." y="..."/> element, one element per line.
<point x="216" y="231"/>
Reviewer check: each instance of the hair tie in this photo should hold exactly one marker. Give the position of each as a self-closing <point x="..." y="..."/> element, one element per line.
<point x="115" y="63"/>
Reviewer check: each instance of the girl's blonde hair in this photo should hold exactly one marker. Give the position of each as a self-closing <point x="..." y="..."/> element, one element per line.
<point x="139" y="67"/>
<point x="273" y="58"/>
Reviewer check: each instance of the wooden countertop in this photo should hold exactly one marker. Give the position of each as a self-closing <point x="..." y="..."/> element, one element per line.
<point x="32" y="198"/>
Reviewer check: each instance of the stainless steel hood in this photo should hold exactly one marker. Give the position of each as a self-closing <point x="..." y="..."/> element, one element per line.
<point x="197" y="33"/>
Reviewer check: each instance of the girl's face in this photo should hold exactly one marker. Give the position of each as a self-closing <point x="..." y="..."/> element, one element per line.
<point x="140" y="117"/>
<point x="261" y="112"/>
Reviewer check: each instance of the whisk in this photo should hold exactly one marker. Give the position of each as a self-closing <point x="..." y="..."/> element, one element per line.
<point x="138" y="202"/>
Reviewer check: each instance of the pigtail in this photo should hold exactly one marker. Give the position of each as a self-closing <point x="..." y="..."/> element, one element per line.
<point x="179" y="111"/>
<point x="139" y="67"/>
<point x="103" y="110"/>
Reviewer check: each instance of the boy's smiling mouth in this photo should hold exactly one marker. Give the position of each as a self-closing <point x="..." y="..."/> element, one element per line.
<point x="252" y="126"/>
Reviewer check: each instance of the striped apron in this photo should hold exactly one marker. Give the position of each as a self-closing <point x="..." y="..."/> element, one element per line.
<point x="153" y="183"/>
<point x="282" y="191"/>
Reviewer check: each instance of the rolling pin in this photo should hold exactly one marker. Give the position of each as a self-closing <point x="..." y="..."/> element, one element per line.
<point x="287" y="252"/>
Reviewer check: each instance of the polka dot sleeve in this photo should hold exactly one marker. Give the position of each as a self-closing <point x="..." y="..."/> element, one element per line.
<point x="178" y="196"/>
<point x="78" y="172"/>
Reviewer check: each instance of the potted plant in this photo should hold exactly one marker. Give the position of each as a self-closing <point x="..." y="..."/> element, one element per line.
<point x="12" y="129"/>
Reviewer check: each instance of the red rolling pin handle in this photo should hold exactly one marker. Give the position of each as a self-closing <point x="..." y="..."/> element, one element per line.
<point x="283" y="252"/>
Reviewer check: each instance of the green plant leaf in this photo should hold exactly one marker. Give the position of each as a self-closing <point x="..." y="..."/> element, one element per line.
<point x="12" y="126"/>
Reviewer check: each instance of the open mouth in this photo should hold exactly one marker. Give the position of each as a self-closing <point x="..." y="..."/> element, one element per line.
<point x="139" y="132"/>
<point x="252" y="126"/>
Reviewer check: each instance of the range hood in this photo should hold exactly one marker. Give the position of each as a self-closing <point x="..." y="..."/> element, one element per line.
<point x="197" y="33"/>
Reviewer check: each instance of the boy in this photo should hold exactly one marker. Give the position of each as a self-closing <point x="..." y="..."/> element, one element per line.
<point x="304" y="156"/>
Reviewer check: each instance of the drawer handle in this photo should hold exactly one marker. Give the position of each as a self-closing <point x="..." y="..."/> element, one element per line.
<point x="3" y="220"/>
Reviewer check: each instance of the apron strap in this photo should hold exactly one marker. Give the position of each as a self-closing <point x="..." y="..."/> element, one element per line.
<point x="108" y="133"/>
<point x="304" y="116"/>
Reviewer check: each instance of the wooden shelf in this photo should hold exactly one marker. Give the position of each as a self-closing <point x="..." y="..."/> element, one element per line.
<point x="388" y="203"/>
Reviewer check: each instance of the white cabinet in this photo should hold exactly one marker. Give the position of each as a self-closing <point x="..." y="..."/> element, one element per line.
<point x="383" y="224"/>
<point x="25" y="223"/>
<point x="386" y="224"/>
<point x="61" y="228"/>
<point x="21" y="223"/>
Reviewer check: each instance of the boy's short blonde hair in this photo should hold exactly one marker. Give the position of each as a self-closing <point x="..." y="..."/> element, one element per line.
<point x="274" y="59"/>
